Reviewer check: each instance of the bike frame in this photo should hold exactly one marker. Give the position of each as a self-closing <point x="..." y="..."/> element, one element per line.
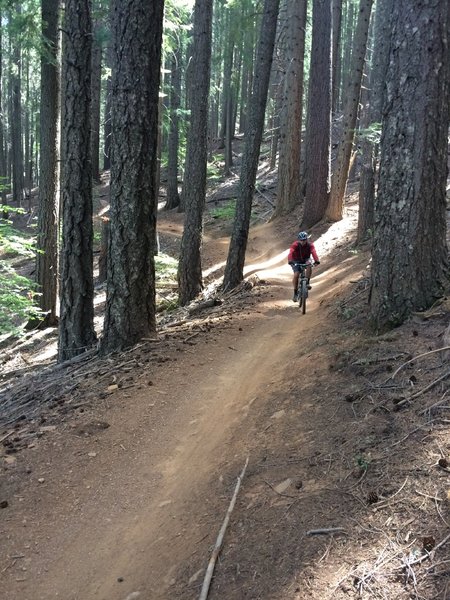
<point x="302" y="288"/>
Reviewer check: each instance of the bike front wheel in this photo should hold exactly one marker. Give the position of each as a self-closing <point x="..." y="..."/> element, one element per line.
<point x="303" y="296"/>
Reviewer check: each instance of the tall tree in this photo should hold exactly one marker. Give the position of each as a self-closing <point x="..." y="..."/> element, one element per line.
<point x="376" y="97"/>
<point x="96" y="80"/>
<point x="76" y="328"/>
<point x="336" y="37"/>
<point x="352" y="95"/>
<point x="194" y="190"/>
<point x="16" y="115"/>
<point x="130" y="302"/>
<point x="173" y="197"/>
<point x="234" y="269"/>
<point x="410" y="258"/>
<point x="3" y="179"/>
<point x="47" y="233"/>
<point x="288" y="193"/>
<point x="318" y="128"/>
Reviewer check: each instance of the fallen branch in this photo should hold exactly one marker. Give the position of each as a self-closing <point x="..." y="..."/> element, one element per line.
<point x="363" y="362"/>
<point x="416" y="358"/>
<point x="326" y="531"/>
<point x="436" y="404"/>
<point x="425" y="389"/>
<point x="219" y="541"/>
<point x="7" y="435"/>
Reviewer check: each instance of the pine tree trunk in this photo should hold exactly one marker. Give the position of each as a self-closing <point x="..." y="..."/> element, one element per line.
<point x="3" y="179"/>
<point x="95" y="102"/>
<point x="227" y="69"/>
<point x="173" y="197"/>
<point x="130" y="302"/>
<point x="107" y="128"/>
<point x="275" y="121"/>
<point x="288" y="193"/>
<point x="377" y="79"/>
<point x="16" y="123"/>
<point x="336" y="37"/>
<point x="47" y="236"/>
<point x="318" y="129"/>
<point x="234" y="269"/>
<point x="340" y="176"/>
<point x="410" y="258"/>
<point x="76" y="327"/>
<point x="27" y="136"/>
<point x="194" y="191"/>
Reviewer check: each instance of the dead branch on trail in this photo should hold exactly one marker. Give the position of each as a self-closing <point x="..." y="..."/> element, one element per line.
<point x="219" y="541"/>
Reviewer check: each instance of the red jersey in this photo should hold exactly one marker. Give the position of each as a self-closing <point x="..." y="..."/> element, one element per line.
<point x="301" y="254"/>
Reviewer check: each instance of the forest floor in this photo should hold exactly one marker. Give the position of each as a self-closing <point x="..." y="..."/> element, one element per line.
<point x="117" y="473"/>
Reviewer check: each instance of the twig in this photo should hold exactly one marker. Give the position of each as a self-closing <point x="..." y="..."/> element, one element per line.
<point x="344" y="302"/>
<point x="427" y="555"/>
<point x="189" y="338"/>
<point x="435" y="498"/>
<point x="441" y="401"/>
<point x="327" y="551"/>
<point x="326" y="531"/>
<point x="265" y="197"/>
<point x="429" y="386"/>
<point x="219" y="541"/>
<point x="7" y="435"/>
<point x="416" y="358"/>
<point x="427" y="424"/>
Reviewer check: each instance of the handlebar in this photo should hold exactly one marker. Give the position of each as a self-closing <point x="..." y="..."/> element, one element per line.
<point x="302" y="265"/>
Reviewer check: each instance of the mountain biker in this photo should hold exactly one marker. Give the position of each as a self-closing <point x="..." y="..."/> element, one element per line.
<point x="300" y="252"/>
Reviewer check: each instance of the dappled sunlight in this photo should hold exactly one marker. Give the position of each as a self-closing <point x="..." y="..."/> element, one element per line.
<point x="99" y="298"/>
<point x="270" y="266"/>
<point x="211" y="270"/>
<point x="49" y="352"/>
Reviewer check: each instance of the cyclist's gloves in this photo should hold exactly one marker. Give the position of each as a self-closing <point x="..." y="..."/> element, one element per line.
<point x="317" y="262"/>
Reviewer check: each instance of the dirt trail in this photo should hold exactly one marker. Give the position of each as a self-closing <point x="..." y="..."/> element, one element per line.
<point x="132" y="511"/>
<point x="135" y="508"/>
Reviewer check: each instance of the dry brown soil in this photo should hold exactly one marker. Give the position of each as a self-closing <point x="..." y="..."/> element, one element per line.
<point x="123" y="496"/>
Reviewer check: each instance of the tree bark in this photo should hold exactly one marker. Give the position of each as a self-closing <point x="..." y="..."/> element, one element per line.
<point x="95" y="103"/>
<point x="130" y="303"/>
<point x="340" y="176"/>
<point x="173" y="197"/>
<point x="318" y="130"/>
<point x="190" y="268"/>
<point x="47" y="231"/>
<point x="16" y="123"/>
<point x="377" y="94"/>
<point x="336" y="37"/>
<point x="289" y="193"/>
<point x="76" y="326"/>
<point x="3" y="178"/>
<point x="410" y="258"/>
<point x="234" y="269"/>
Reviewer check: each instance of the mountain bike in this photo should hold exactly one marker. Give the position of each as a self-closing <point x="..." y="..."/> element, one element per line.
<point x="302" y="289"/>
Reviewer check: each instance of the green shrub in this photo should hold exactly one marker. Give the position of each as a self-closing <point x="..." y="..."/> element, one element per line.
<point x="225" y="212"/>
<point x="17" y="296"/>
